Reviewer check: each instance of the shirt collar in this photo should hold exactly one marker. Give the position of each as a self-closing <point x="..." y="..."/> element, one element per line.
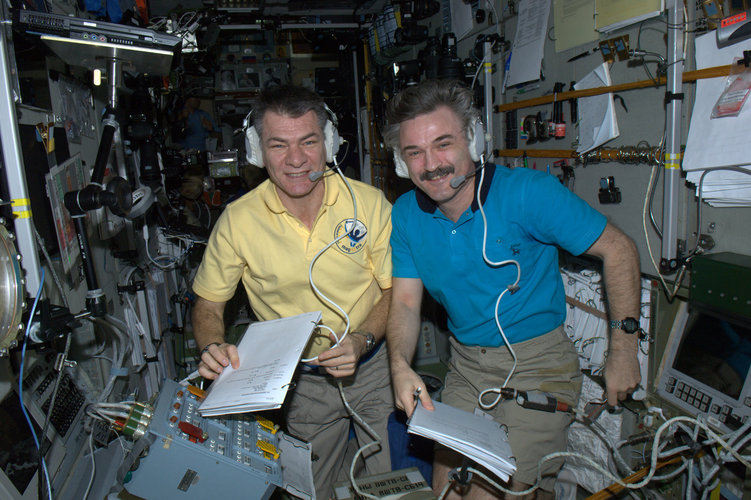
<point x="427" y="205"/>
<point x="271" y="197"/>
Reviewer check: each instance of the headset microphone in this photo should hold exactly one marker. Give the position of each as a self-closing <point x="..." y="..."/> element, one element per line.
<point x="314" y="176"/>
<point x="458" y="181"/>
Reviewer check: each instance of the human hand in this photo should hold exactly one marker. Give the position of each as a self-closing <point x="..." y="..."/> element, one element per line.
<point x="216" y="358"/>
<point x="405" y="383"/>
<point x="622" y="375"/>
<point x="341" y="361"/>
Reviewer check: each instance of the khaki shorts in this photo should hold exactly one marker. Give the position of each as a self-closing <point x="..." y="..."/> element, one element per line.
<point x="316" y="414"/>
<point x="547" y="363"/>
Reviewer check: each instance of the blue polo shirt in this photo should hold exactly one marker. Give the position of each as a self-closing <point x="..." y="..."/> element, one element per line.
<point x="530" y="214"/>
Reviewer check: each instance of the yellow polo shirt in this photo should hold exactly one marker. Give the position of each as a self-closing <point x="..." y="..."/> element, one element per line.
<point x="257" y="240"/>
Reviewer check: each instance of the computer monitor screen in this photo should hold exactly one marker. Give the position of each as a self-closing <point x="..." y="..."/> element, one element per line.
<point x="715" y="351"/>
<point x="705" y="368"/>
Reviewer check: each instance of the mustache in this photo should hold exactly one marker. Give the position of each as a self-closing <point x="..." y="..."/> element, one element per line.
<point x="438" y="172"/>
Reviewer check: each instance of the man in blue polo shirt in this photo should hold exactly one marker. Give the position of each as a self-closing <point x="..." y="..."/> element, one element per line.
<point x="492" y="262"/>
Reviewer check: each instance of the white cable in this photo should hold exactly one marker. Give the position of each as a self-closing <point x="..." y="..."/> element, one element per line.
<point x="318" y="292"/>
<point x="171" y="260"/>
<point x="140" y="333"/>
<point x="121" y="406"/>
<point x="671" y="475"/>
<point x="194" y="374"/>
<point x="111" y="413"/>
<point x="120" y="330"/>
<point x="649" y="477"/>
<point x="94" y="413"/>
<point x="376" y="442"/>
<point x="445" y="489"/>
<point x="93" y="466"/>
<point x="688" y="492"/>
<point x="376" y="439"/>
<point x="513" y="287"/>
<point x="645" y="212"/>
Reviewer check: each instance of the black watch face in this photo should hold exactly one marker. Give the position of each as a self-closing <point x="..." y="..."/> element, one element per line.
<point x="630" y="325"/>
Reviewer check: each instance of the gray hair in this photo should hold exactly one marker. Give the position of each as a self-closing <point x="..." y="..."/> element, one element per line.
<point x="426" y="97"/>
<point x="288" y="100"/>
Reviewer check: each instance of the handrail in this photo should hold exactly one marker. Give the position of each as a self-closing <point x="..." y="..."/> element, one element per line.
<point x="688" y="76"/>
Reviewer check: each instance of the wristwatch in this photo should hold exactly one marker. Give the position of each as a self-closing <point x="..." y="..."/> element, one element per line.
<point x="628" y="325"/>
<point x="370" y="341"/>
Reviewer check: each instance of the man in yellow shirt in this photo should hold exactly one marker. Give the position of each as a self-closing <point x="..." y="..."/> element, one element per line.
<point x="268" y="238"/>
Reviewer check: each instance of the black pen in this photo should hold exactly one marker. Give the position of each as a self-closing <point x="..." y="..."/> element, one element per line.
<point x="584" y="54"/>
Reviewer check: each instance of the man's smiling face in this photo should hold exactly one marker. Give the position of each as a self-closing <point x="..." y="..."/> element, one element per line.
<point x="435" y="150"/>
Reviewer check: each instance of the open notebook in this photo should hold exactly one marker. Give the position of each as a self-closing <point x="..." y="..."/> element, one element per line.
<point x="269" y="353"/>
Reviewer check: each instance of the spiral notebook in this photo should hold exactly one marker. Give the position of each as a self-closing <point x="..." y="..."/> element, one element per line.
<point x="269" y="353"/>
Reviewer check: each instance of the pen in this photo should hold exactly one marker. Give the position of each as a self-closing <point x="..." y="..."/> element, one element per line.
<point x="505" y="70"/>
<point x="584" y="54"/>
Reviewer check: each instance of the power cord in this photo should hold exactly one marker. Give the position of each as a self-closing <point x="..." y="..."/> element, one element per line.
<point x="730" y="445"/>
<point x="511" y="288"/>
<point x="376" y="439"/>
<point x="376" y="442"/>
<point x="318" y="292"/>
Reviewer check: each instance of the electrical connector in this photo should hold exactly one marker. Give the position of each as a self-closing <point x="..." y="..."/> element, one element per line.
<point x="138" y="420"/>
<point x="536" y="400"/>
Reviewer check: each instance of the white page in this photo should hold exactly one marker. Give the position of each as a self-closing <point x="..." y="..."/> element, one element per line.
<point x="269" y="352"/>
<point x="722" y="141"/>
<point x="717" y="142"/>
<point x="723" y="188"/>
<point x="461" y="18"/>
<point x="597" y="121"/>
<point x="475" y="436"/>
<point x="529" y="42"/>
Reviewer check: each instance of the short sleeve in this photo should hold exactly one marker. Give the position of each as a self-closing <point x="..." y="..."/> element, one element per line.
<point x="558" y="216"/>
<point x="381" y="249"/>
<point x="221" y="267"/>
<point x="404" y="264"/>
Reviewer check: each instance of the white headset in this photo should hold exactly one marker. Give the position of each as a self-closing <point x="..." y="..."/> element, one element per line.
<point x="253" y="151"/>
<point x="475" y="141"/>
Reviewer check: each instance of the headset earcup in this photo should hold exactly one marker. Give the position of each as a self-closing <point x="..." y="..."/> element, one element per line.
<point x="253" y="147"/>
<point x="401" y="167"/>
<point x="331" y="141"/>
<point x="476" y="140"/>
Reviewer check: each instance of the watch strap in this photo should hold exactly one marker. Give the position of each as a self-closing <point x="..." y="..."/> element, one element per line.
<point x="369" y="339"/>
<point x="623" y="325"/>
